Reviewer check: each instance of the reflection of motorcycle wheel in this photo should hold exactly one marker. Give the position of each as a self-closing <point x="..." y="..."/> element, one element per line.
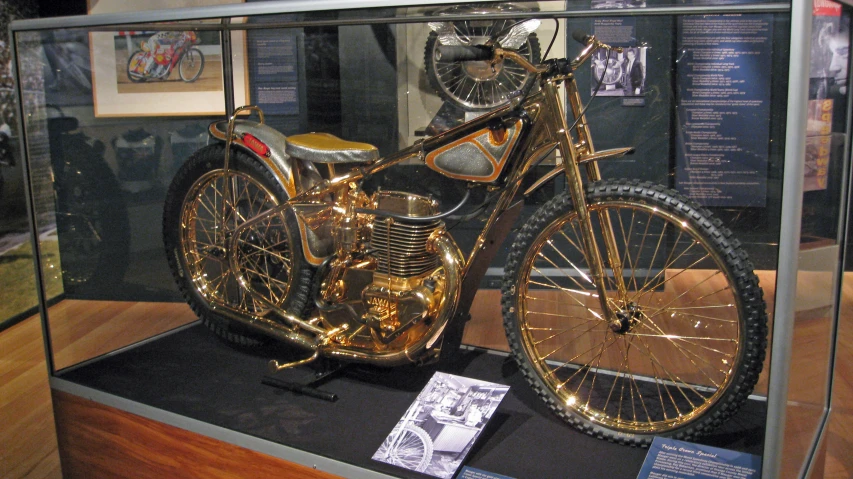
<point x="91" y="222"/>
<point x="133" y="64"/>
<point x="411" y="449"/>
<point x="687" y="341"/>
<point x="475" y="85"/>
<point x="198" y="225"/>
<point x="191" y="65"/>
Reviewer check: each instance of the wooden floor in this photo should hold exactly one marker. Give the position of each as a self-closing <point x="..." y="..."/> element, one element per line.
<point x="27" y="437"/>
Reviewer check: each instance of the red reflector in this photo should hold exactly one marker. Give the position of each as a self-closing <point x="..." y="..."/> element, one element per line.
<point x="255" y="144"/>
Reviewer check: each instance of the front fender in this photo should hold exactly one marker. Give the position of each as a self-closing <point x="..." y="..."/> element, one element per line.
<point x="294" y="175"/>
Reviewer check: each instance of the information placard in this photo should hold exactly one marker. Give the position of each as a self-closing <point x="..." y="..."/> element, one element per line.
<point x="274" y="71"/>
<point x="472" y="473"/>
<point x="672" y="459"/>
<point x="723" y="108"/>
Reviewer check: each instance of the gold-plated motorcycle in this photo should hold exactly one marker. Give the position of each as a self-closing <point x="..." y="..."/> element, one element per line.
<point x="629" y="308"/>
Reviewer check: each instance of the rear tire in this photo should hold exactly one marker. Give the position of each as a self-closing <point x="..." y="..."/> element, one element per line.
<point x="196" y="227"/>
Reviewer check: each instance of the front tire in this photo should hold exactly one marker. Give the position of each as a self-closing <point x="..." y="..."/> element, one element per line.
<point x="689" y="340"/>
<point x="191" y="65"/>
<point x="197" y="225"/>
<point x="136" y="67"/>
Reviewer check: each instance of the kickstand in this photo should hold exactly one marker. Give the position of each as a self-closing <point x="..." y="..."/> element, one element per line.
<point x="330" y="369"/>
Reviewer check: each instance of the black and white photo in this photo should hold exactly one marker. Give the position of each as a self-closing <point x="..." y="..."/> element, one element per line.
<point x="439" y="428"/>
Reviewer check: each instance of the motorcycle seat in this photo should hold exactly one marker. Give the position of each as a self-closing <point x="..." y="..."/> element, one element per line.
<point x="326" y="148"/>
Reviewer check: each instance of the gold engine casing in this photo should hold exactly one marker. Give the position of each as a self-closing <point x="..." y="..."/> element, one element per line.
<point x="396" y="304"/>
<point x="393" y="293"/>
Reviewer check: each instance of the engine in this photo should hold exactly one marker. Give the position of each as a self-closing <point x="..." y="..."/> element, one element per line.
<point x="403" y="286"/>
<point x="393" y="281"/>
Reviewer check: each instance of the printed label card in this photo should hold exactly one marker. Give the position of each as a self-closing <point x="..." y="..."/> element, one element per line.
<point x="671" y="459"/>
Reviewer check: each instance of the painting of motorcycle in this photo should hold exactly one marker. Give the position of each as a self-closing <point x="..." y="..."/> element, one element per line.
<point x="161" y="72"/>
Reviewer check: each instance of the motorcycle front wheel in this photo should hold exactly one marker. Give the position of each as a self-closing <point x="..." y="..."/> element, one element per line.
<point x="200" y="217"/>
<point x="191" y="65"/>
<point x="687" y="339"/>
<point x="135" y="63"/>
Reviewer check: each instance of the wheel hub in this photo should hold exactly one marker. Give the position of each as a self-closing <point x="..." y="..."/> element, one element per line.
<point x="481" y="71"/>
<point x="626" y="319"/>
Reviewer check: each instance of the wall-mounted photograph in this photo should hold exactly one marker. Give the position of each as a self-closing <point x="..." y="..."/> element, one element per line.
<point x="162" y="72"/>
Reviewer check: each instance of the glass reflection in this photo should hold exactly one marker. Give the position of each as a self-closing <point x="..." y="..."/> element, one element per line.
<point x="825" y="169"/>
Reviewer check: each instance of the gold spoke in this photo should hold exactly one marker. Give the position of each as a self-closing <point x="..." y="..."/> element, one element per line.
<point x="590" y="330"/>
<point x="663" y="270"/>
<point x="562" y="316"/>
<point x="553" y="371"/>
<point x="618" y="375"/>
<point x="536" y="343"/>
<point x="560" y="288"/>
<point x="672" y="336"/>
<point x="583" y="275"/>
<point x="667" y="280"/>
<point x="681" y="350"/>
<point x="674" y="378"/>
<point x="569" y="295"/>
<point x="707" y="348"/>
<point x="636" y="260"/>
<point x="655" y="254"/>
<point x="702" y="316"/>
<point x="696" y="285"/>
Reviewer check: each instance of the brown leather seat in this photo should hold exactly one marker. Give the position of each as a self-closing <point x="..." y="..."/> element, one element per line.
<point x="326" y="148"/>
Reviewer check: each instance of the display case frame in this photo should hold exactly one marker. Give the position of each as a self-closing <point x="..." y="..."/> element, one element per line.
<point x="789" y="248"/>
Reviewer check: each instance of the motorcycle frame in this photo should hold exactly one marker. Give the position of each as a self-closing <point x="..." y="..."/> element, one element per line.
<point x="544" y="130"/>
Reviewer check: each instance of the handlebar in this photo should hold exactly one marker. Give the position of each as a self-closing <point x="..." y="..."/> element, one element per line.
<point x="582" y="37"/>
<point x="463" y="53"/>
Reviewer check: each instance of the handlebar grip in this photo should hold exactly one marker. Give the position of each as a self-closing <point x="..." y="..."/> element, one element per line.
<point x="581" y="37"/>
<point x="463" y="53"/>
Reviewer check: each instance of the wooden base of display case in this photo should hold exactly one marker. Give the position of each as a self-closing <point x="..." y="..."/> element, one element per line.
<point x="186" y="399"/>
<point x="98" y="441"/>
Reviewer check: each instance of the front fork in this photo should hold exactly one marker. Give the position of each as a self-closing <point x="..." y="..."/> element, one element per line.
<point x="571" y="158"/>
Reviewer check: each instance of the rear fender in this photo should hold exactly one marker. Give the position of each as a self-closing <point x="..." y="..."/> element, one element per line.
<point x="294" y="175"/>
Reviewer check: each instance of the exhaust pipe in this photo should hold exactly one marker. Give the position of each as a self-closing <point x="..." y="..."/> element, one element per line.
<point x="271" y="328"/>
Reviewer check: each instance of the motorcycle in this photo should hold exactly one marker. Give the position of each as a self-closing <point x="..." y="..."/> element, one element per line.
<point x="161" y="53"/>
<point x="629" y="308"/>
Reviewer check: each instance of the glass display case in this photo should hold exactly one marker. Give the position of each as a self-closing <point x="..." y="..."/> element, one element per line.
<point x="740" y="107"/>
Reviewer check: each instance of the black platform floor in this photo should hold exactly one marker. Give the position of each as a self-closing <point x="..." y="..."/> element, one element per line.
<point x="194" y="374"/>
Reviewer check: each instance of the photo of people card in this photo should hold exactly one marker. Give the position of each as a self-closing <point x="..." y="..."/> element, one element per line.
<point x="439" y="428"/>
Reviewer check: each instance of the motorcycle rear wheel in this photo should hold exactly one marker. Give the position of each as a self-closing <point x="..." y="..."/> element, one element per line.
<point x="191" y="65"/>
<point x="688" y="341"/>
<point x="197" y="225"/>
